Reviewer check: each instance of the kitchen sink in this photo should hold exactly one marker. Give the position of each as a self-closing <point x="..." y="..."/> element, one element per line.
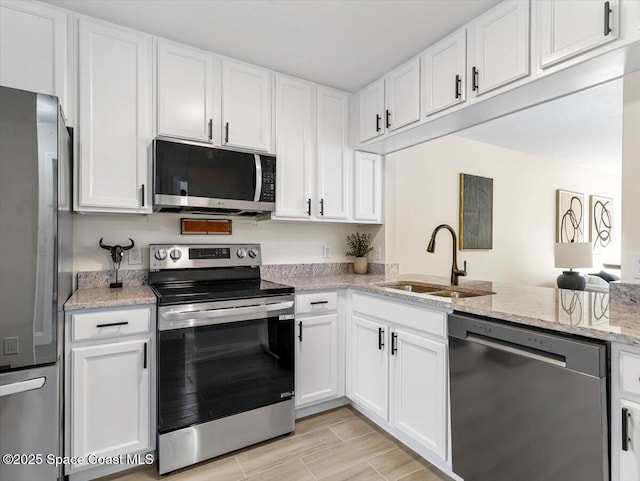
<point x="414" y="287"/>
<point x="450" y="292"/>
<point x="460" y="294"/>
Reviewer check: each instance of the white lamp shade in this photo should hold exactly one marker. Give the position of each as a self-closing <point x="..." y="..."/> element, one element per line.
<point x="573" y="254"/>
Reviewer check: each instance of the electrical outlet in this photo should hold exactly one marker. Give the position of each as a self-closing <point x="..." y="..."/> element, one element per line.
<point x="326" y="252"/>
<point x="636" y="266"/>
<point x="11" y="345"/>
<point x="377" y="253"/>
<point x="134" y="256"/>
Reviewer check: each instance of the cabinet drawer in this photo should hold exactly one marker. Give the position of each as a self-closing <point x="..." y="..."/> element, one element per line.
<point x="420" y="318"/>
<point x="109" y="323"/>
<point x="316" y="302"/>
<point x="630" y="372"/>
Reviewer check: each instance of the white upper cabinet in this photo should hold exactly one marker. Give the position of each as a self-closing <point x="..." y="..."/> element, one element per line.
<point x="114" y="124"/>
<point x="443" y="73"/>
<point x="333" y="155"/>
<point x="568" y="28"/>
<point x="33" y="50"/>
<point x="402" y="95"/>
<point x="367" y="187"/>
<point x="372" y="111"/>
<point x="500" y="46"/>
<point x="295" y="142"/>
<point x="185" y="92"/>
<point x="246" y="106"/>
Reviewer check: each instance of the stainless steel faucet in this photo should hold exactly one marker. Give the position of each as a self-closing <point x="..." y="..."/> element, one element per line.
<point x="455" y="272"/>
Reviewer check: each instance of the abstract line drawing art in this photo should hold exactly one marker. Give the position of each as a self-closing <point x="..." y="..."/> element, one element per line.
<point x="601" y="209"/>
<point x="570" y="215"/>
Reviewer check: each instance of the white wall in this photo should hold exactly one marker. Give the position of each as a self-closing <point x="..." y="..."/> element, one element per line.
<point x="524" y="192"/>
<point x="282" y="242"/>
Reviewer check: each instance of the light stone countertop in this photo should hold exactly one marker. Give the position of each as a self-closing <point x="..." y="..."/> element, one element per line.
<point x="100" y="297"/>
<point x="575" y="312"/>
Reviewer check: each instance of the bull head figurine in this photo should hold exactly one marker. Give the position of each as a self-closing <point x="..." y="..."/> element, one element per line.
<point x="117" y="252"/>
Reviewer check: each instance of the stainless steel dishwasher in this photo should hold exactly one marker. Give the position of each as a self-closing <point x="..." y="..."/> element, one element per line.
<point x="526" y="405"/>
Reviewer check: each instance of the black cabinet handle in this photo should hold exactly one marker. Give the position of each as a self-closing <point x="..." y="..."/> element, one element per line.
<point x="319" y="302"/>
<point x="378" y="119"/>
<point x="607" y="18"/>
<point x="474" y="79"/>
<point x="210" y="129"/>
<point x="458" y="85"/>
<point x="226" y="133"/>
<point x="625" y="429"/>
<point x="394" y="343"/>
<point x="300" y="331"/>
<point x="111" y="324"/>
<point x="308" y="206"/>
<point x="388" y="121"/>
<point x="144" y="361"/>
<point x="142" y="195"/>
<point x="321" y="206"/>
<point x="380" y="338"/>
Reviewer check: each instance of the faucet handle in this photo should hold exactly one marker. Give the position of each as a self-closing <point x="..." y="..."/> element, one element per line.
<point x="463" y="272"/>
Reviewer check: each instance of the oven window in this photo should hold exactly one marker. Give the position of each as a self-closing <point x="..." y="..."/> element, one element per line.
<point x="209" y="372"/>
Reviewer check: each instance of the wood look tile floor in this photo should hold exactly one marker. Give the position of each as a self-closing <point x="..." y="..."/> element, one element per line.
<point x="338" y="445"/>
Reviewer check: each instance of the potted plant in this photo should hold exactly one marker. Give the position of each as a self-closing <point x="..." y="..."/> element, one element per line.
<point x="359" y="247"/>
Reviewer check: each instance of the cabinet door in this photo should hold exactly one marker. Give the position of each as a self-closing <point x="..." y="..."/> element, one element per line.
<point x="370" y="365"/>
<point x="316" y="359"/>
<point x="418" y="390"/>
<point x="33" y="50"/>
<point x="185" y="92"/>
<point x="402" y="95"/>
<point x="333" y="159"/>
<point x="110" y="399"/>
<point x="246" y="106"/>
<point x="372" y="111"/>
<point x="443" y="67"/>
<point x="115" y="118"/>
<point x="501" y="46"/>
<point x="630" y="459"/>
<point x="571" y="27"/>
<point x="367" y="185"/>
<point x="295" y="141"/>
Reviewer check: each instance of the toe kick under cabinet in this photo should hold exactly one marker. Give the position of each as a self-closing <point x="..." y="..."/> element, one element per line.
<point x="110" y="417"/>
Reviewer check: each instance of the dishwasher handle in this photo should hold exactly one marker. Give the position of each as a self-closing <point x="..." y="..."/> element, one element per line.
<point x="518" y="350"/>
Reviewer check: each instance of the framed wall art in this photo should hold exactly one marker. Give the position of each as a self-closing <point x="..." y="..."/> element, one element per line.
<point x="476" y="212"/>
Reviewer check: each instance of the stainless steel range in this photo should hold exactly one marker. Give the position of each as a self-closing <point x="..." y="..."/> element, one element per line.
<point x="225" y="352"/>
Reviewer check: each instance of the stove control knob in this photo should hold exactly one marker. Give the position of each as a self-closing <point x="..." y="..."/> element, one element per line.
<point x="253" y="252"/>
<point x="241" y="253"/>
<point x="161" y="254"/>
<point x="175" y="254"/>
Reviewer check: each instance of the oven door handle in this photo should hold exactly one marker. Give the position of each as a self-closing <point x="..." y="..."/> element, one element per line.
<point x="227" y="312"/>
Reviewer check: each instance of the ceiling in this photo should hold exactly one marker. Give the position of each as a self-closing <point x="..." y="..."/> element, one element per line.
<point x="584" y="129"/>
<point x="341" y="43"/>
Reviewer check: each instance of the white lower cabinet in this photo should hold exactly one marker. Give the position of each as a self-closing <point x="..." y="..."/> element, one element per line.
<point x="109" y="388"/>
<point x="397" y="372"/>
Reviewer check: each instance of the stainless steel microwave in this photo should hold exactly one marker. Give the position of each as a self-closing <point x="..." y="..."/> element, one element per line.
<point x="191" y="177"/>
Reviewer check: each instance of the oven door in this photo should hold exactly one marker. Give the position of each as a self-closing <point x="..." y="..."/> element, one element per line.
<point x="216" y="360"/>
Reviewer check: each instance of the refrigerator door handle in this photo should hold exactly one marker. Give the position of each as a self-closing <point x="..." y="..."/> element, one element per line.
<point x="22" y="386"/>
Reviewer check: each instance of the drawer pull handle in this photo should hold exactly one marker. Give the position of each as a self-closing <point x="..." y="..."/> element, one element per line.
<point x="314" y="303"/>
<point x="112" y="324"/>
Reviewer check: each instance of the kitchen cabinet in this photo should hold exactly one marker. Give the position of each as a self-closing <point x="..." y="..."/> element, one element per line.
<point x="397" y="370"/>
<point x="567" y="29"/>
<point x="499" y="46"/>
<point x="246" y="106"/>
<point x="333" y="155"/>
<point x="371" y="100"/>
<point x="114" y="124"/>
<point x="402" y="95"/>
<point x="109" y="384"/>
<point x="295" y="140"/>
<point x="34" y="51"/>
<point x="367" y="188"/>
<point x="185" y="92"/>
<point x="319" y="348"/>
<point x="443" y="73"/>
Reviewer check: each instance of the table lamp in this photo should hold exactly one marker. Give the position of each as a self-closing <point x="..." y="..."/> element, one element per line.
<point x="573" y="255"/>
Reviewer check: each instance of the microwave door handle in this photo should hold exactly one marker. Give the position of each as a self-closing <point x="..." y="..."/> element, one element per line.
<point x="256" y="197"/>
<point x="229" y="311"/>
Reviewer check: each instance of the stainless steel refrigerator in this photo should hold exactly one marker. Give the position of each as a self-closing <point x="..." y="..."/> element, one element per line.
<point x="35" y="280"/>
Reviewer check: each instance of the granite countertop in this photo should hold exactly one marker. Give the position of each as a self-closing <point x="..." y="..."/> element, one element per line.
<point x="576" y="312"/>
<point x="99" y="297"/>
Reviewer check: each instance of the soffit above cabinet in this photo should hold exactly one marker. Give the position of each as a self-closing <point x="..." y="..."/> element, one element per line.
<point x="345" y="44"/>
